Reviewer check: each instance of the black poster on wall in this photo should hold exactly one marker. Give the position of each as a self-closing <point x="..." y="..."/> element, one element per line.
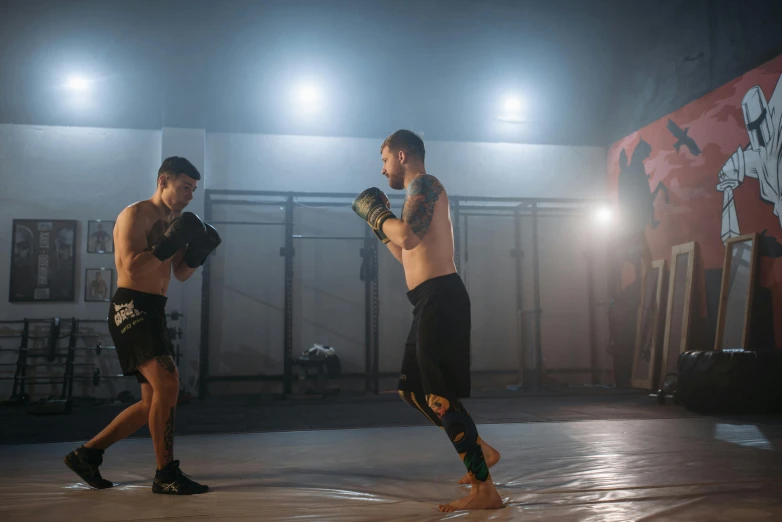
<point x="43" y="261"/>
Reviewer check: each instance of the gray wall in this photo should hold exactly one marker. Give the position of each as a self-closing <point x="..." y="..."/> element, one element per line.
<point x="84" y="173"/>
<point x="71" y="173"/>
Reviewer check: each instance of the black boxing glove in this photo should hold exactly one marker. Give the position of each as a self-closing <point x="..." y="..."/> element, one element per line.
<point x="179" y="233"/>
<point x="200" y="248"/>
<point x="373" y="206"/>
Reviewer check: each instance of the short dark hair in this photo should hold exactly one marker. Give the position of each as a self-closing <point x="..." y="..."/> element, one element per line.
<point x="176" y="165"/>
<point x="407" y="141"/>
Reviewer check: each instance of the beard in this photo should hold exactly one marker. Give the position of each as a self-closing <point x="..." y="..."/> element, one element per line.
<point x="396" y="182"/>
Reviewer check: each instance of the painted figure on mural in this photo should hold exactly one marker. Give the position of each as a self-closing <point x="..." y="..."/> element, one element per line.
<point x="762" y="160"/>
<point x="636" y="198"/>
<point x="636" y="207"/>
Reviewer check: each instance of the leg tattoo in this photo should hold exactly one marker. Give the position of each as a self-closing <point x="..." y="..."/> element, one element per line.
<point x="463" y="434"/>
<point x="168" y="436"/>
<point x="418" y="402"/>
<point x="166" y="362"/>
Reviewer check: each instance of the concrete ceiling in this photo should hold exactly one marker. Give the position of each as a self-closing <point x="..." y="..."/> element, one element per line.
<point x="441" y="67"/>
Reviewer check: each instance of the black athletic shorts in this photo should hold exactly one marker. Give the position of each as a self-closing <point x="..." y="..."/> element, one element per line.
<point x="137" y="324"/>
<point x="437" y="352"/>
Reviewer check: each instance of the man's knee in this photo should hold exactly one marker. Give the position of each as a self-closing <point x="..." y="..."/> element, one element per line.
<point x="162" y="375"/>
<point x="165" y="387"/>
<point x="418" y="401"/>
<point x="168" y="388"/>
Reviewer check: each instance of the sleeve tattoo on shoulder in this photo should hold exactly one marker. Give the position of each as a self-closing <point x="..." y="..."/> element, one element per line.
<point x="423" y="193"/>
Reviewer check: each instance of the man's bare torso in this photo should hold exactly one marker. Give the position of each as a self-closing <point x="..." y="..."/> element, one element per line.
<point x="154" y="281"/>
<point x="433" y="256"/>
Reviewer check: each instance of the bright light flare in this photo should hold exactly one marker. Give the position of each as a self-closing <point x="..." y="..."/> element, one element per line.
<point x="513" y="105"/>
<point x="309" y="95"/>
<point x="77" y="83"/>
<point x="604" y="215"/>
<point x="512" y="110"/>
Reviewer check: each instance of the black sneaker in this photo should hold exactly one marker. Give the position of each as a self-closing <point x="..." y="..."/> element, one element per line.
<point x="171" y="481"/>
<point x="85" y="462"/>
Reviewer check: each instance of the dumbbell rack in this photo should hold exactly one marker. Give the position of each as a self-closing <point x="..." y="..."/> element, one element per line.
<point x="22" y="335"/>
<point x="55" y="357"/>
<point x="27" y="359"/>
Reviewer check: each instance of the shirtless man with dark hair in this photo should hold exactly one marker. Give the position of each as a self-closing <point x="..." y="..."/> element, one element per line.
<point x="152" y="238"/>
<point x="436" y="366"/>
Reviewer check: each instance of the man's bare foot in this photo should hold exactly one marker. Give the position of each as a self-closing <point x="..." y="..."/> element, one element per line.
<point x="490" y="455"/>
<point x="483" y="496"/>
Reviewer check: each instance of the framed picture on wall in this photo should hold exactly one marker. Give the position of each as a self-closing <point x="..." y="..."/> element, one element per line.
<point x="43" y="260"/>
<point x="98" y="284"/>
<point x="100" y="237"/>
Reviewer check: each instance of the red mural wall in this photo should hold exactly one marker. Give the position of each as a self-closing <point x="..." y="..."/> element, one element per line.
<point x="709" y="171"/>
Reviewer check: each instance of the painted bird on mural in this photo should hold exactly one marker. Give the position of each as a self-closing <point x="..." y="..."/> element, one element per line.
<point x="683" y="139"/>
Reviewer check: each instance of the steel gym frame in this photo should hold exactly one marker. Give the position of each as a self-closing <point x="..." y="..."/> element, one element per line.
<point x="462" y="207"/>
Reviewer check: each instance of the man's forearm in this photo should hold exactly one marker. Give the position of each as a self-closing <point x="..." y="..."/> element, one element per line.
<point x="143" y="262"/>
<point x="400" y="234"/>
<point x="395" y="250"/>
<point x="184" y="272"/>
<point x="146" y="261"/>
<point x="181" y="271"/>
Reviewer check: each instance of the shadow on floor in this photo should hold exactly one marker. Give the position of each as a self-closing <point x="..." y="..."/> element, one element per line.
<point x="258" y="414"/>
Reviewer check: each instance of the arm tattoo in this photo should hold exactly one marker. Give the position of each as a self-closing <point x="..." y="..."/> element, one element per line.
<point x="166" y="362"/>
<point x="423" y="193"/>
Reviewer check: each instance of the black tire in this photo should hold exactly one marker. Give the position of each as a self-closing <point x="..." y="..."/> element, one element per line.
<point x="730" y="381"/>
